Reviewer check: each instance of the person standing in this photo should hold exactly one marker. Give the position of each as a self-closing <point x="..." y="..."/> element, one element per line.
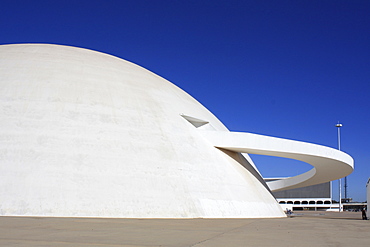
<point x="364" y="217"/>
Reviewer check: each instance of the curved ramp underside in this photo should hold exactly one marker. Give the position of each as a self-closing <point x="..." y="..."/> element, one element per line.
<point x="328" y="164"/>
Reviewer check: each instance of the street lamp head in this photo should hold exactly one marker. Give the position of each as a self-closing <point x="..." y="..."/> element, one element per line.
<point x="338" y="125"/>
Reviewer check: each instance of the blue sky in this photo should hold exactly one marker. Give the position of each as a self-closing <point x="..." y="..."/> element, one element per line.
<point x="289" y="69"/>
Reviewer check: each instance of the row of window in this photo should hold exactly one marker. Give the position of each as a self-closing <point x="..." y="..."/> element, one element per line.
<point x="305" y="202"/>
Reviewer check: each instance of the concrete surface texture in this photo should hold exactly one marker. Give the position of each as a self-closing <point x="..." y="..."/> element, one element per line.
<point x="303" y="229"/>
<point x="87" y="134"/>
<point x="328" y="163"/>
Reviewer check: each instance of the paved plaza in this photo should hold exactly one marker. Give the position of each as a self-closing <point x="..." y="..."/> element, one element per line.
<point x="302" y="229"/>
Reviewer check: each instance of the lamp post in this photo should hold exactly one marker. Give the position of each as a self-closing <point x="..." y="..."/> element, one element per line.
<point x="338" y="125"/>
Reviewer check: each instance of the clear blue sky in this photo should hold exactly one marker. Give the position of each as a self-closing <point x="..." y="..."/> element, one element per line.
<point x="288" y="69"/>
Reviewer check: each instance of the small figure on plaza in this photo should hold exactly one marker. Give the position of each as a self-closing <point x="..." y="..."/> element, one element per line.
<point x="364" y="217"/>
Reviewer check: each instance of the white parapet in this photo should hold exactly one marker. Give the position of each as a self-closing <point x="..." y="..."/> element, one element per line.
<point x="328" y="163"/>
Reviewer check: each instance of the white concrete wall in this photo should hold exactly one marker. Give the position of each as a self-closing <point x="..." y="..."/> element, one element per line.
<point x="88" y="134"/>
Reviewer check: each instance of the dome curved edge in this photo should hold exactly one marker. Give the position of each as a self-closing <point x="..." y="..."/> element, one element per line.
<point x="86" y="135"/>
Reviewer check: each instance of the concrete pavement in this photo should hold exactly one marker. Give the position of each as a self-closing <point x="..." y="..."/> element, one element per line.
<point x="303" y="229"/>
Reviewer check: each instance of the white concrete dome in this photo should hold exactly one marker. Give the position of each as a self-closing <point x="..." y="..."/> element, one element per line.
<point x="88" y="134"/>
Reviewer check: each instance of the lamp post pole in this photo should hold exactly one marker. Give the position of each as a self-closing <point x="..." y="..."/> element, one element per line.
<point x="338" y="125"/>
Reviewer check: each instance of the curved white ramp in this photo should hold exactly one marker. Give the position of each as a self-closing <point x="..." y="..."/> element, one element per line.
<point x="328" y="163"/>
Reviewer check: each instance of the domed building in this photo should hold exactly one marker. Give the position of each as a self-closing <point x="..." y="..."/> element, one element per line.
<point x="86" y="134"/>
